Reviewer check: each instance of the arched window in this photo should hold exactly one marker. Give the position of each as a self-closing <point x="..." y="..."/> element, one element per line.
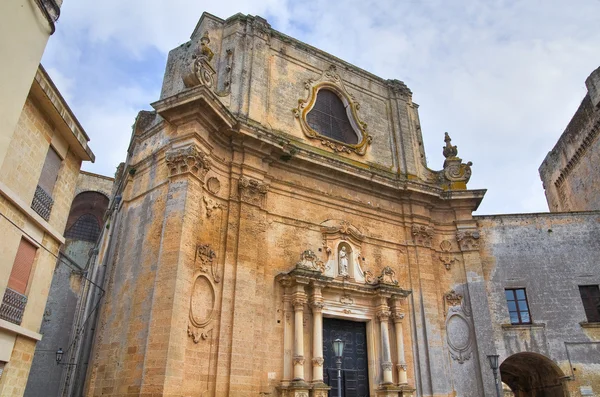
<point x="86" y="228"/>
<point x="329" y="117"/>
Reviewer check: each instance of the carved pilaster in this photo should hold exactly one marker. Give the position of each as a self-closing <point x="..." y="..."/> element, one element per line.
<point x="252" y="191"/>
<point x="188" y="159"/>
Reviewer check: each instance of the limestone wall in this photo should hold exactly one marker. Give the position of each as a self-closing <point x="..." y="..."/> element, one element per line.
<point x="549" y="255"/>
<point x="570" y="171"/>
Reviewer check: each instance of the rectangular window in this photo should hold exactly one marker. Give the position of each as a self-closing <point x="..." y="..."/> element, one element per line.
<point x="517" y="306"/>
<point x="50" y="171"/>
<point x="42" y="199"/>
<point x="14" y="300"/>
<point x="590" y="296"/>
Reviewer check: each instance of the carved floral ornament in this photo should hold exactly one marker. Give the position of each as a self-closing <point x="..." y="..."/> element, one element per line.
<point x="446" y="258"/>
<point x="252" y="191"/>
<point x="330" y="80"/>
<point x="310" y="261"/>
<point x="187" y="159"/>
<point x="468" y="240"/>
<point x="422" y="235"/>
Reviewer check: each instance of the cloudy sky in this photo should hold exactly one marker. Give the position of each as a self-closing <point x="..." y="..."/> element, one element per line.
<point x="503" y="77"/>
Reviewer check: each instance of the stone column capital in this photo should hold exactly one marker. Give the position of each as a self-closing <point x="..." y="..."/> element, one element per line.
<point x="384" y="315"/>
<point x="318" y="361"/>
<point x="398" y="316"/>
<point x="298" y="303"/>
<point x="317" y="306"/>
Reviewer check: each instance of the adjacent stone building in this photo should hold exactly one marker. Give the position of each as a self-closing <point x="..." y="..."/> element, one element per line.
<point x="38" y="175"/>
<point x="571" y="172"/>
<point x="67" y="322"/>
<point x="278" y="198"/>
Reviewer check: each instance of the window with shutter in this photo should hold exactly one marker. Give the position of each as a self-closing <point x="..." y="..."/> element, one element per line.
<point x="590" y="297"/>
<point x="42" y="199"/>
<point x="19" y="276"/>
<point x="329" y="117"/>
<point x="14" y="300"/>
<point x="50" y="171"/>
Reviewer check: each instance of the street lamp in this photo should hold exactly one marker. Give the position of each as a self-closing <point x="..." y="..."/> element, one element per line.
<point x="338" y="350"/>
<point x="493" y="358"/>
<point x="59" y="355"/>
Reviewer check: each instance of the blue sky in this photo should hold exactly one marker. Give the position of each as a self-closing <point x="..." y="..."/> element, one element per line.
<point x="502" y="77"/>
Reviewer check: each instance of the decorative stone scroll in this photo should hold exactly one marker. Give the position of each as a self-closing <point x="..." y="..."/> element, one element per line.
<point x="205" y="257"/>
<point x="309" y="261"/>
<point x="188" y="159"/>
<point x="200" y="71"/>
<point x="398" y="87"/>
<point x="332" y="81"/>
<point x="455" y="174"/>
<point x="203" y="294"/>
<point x="452" y="299"/>
<point x="346" y="230"/>
<point x="459" y="330"/>
<point x="252" y="191"/>
<point x="211" y="205"/>
<point x="468" y="240"/>
<point x="422" y="235"/>
<point x="388" y="277"/>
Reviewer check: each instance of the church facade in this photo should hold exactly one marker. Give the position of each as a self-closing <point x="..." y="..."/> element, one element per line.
<point x="277" y="199"/>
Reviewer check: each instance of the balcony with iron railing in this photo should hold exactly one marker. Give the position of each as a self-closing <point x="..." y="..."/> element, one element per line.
<point x="42" y="203"/>
<point x="13" y="306"/>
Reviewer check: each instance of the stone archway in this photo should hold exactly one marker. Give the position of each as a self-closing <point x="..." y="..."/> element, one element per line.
<point x="532" y="375"/>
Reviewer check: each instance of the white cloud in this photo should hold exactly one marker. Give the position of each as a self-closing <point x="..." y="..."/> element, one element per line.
<point x="502" y="77"/>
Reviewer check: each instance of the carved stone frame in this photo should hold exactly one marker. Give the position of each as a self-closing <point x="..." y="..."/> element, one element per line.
<point x="330" y="80"/>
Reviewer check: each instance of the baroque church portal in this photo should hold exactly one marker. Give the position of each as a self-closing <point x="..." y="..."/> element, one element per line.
<point x="278" y="198"/>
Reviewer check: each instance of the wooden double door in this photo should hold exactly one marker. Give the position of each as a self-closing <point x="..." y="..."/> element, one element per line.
<point x="355" y="376"/>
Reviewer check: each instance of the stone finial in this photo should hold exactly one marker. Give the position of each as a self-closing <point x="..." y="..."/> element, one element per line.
<point x="205" y="50"/>
<point x="199" y="71"/>
<point x="449" y="150"/>
<point x="455" y="174"/>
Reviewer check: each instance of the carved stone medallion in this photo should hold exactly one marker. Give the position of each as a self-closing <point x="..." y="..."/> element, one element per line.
<point x="213" y="185"/>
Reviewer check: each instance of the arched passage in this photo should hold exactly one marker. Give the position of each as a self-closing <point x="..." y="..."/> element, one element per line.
<point x="532" y="375"/>
<point x="85" y="216"/>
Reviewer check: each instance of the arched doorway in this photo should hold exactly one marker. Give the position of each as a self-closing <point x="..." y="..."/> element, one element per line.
<point x="532" y="375"/>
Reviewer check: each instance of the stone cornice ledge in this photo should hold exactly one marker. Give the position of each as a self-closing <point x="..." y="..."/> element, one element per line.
<point x="26" y="209"/>
<point x="523" y="326"/>
<point x="585" y="324"/>
<point x="17" y="329"/>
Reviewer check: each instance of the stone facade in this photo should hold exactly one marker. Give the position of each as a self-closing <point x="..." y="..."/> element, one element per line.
<point x="46" y="123"/>
<point x="236" y="231"/>
<point x="242" y="216"/>
<point x="570" y="171"/>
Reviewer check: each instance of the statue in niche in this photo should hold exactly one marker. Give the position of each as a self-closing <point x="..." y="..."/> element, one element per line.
<point x="343" y="261"/>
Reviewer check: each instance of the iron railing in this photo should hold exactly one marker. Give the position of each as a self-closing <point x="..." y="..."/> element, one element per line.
<point x="42" y="203"/>
<point x="13" y="306"/>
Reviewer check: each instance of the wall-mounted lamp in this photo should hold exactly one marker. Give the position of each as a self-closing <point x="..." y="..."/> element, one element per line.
<point x="493" y="358"/>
